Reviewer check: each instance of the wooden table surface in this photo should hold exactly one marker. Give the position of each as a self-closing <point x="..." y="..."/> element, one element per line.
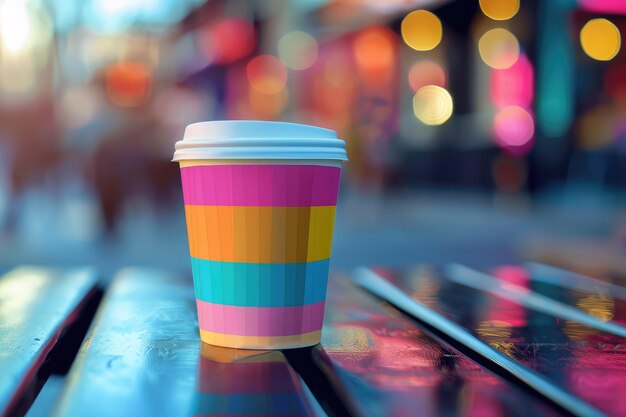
<point x="514" y="341"/>
<point x="36" y="306"/>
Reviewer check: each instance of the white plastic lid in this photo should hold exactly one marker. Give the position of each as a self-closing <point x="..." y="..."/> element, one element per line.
<point x="249" y="139"/>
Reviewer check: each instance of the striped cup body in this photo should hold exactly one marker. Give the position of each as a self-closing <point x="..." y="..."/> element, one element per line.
<point x="260" y="239"/>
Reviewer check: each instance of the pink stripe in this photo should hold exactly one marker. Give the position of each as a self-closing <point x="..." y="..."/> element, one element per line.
<point x="260" y="185"/>
<point x="260" y="321"/>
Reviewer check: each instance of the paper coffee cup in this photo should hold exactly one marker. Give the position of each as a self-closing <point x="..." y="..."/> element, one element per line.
<point x="260" y="202"/>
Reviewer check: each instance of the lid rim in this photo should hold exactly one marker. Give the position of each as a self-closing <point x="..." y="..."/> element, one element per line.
<point x="260" y="153"/>
<point x="271" y="142"/>
<point x="251" y="139"/>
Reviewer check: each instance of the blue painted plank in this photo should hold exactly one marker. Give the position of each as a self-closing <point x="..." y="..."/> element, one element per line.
<point x="36" y="306"/>
<point x="143" y="357"/>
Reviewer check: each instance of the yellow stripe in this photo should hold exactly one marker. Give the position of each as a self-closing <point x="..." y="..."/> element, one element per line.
<point x="260" y="234"/>
<point x="260" y="342"/>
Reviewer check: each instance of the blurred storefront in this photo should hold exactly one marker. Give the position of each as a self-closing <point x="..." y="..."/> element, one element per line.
<point x="505" y="97"/>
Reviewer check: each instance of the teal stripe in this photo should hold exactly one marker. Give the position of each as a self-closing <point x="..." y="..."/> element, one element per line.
<point x="260" y="285"/>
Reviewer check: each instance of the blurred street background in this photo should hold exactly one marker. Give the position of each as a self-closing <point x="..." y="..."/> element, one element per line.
<point x="482" y="132"/>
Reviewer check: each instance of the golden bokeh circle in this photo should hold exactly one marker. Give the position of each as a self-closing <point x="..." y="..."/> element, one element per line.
<point x="600" y="39"/>
<point x="421" y="30"/>
<point x="432" y="105"/>
<point x="499" y="48"/>
<point x="499" y="9"/>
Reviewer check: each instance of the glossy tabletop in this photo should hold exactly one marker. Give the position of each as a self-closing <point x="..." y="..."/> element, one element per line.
<point x="143" y="357"/>
<point x="387" y="366"/>
<point x="603" y="297"/>
<point x="142" y="354"/>
<point x="583" y="360"/>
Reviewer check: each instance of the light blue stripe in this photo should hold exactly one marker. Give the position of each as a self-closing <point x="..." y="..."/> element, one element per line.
<point x="260" y="285"/>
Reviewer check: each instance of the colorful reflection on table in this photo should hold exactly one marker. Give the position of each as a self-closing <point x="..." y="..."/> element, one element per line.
<point x="584" y="361"/>
<point x="389" y="367"/>
<point x="234" y="382"/>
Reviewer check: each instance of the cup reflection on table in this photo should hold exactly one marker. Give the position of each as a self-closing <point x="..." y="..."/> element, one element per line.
<point x="233" y="382"/>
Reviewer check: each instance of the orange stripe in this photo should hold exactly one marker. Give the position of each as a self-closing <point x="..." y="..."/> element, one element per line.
<point x="260" y="234"/>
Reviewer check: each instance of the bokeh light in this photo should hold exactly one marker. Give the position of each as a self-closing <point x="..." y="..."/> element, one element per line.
<point x="227" y="41"/>
<point x="373" y="48"/>
<point x="499" y="48"/>
<point x="499" y="9"/>
<point x="23" y="27"/>
<point x="298" y="50"/>
<point x="514" y="85"/>
<point x="432" y="105"/>
<point x="15" y="25"/>
<point x="604" y="6"/>
<point x="426" y="72"/>
<point x="25" y="48"/>
<point x="556" y="67"/>
<point x="374" y="52"/>
<point x="513" y="130"/>
<point x="128" y="83"/>
<point x="267" y="74"/>
<point x="421" y="30"/>
<point x="600" y="39"/>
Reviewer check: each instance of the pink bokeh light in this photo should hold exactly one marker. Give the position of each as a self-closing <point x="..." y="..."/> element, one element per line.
<point x="513" y="129"/>
<point x="514" y="85"/>
<point x="604" y="6"/>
